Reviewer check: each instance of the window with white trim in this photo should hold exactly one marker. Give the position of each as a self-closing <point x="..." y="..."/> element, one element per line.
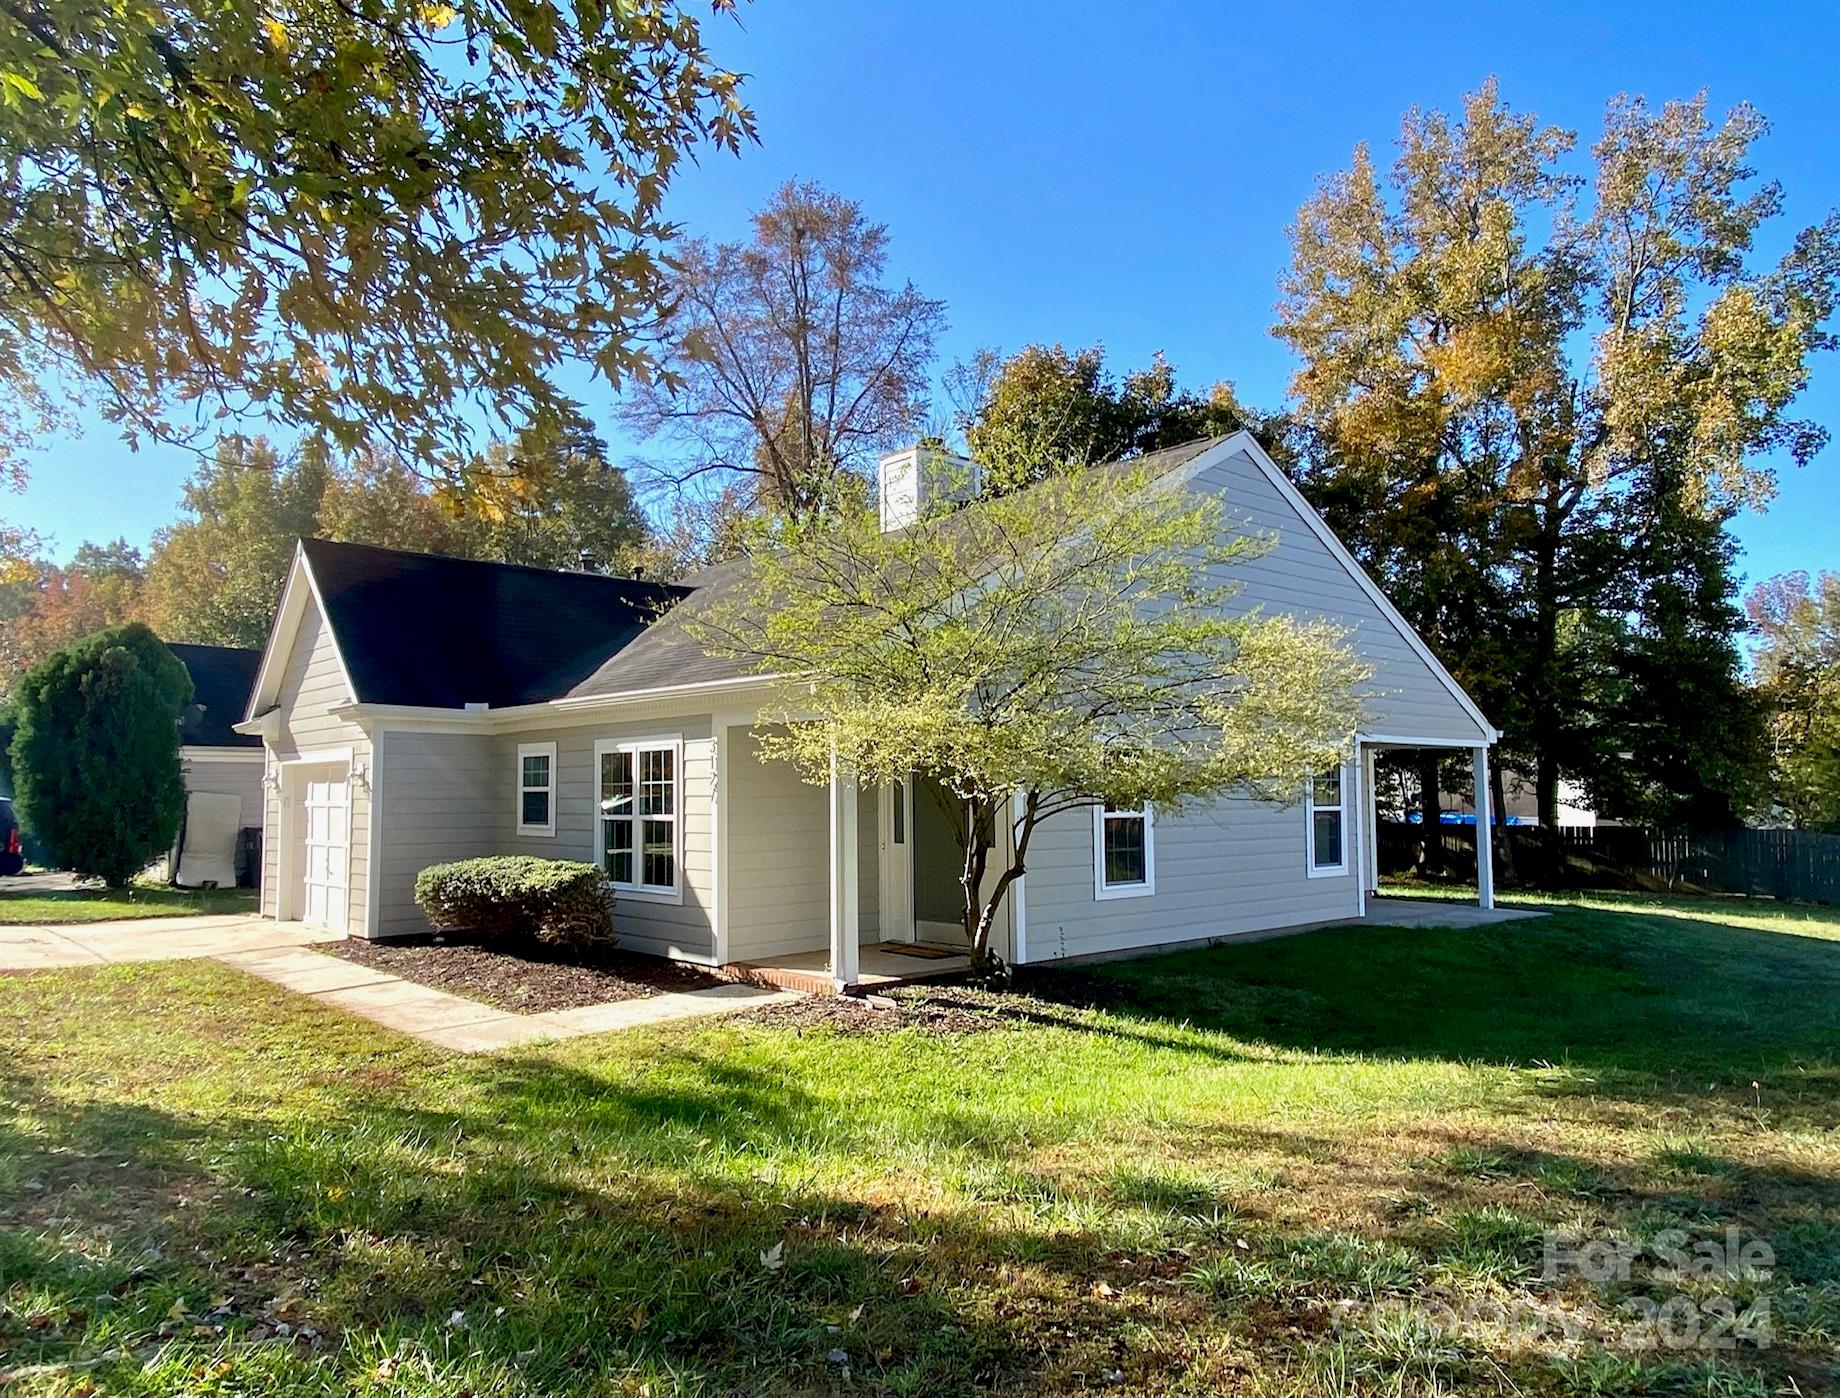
<point x="1124" y="852"/>
<point x="1327" y="828"/>
<point x="536" y="793"/>
<point x="640" y="804"/>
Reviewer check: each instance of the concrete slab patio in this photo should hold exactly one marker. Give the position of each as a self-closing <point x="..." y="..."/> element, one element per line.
<point x="466" y="1026"/>
<point x="40" y="947"/>
<point x="1387" y="911"/>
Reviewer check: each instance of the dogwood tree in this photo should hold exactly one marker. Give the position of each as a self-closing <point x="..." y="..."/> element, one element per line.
<point x="1034" y="652"/>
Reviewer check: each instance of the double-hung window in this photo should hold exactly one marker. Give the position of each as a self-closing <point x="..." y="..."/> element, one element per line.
<point x="536" y="793"/>
<point x="1124" y="852"/>
<point x="640" y="803"/>
<point x="1327" y="828"/>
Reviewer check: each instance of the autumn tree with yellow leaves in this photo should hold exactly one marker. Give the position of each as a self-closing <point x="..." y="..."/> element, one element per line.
<point x="387" y="220"/>
<point x="1527" y="395"/>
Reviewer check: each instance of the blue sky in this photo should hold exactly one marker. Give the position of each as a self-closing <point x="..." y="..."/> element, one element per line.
<point x="1124" y="173"/>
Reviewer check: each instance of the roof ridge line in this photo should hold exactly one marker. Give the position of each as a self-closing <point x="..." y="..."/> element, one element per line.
<point x="316" y="540"/>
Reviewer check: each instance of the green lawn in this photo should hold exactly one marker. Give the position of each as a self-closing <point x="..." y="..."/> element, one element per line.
<point x="110" y="905"/>
<point x="211" y="1187"/>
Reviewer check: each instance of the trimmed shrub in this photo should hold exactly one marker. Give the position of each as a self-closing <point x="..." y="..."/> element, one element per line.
<point x="518" y="895"/>
<point x="95" y="756"/>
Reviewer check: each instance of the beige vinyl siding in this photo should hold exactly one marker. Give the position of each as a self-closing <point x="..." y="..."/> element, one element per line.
<point x="1236" y="865"/>
<point x="434" y="796"/>
<point x="779" y="839"/>
<point x="1301" y="577"/>
<point x="242" y="780"/>
<point x="312" y="683"/>
<point x="1230" y="867"/>
<point x="683" y="929"/>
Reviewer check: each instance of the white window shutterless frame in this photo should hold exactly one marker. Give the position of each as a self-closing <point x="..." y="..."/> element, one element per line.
<point x="536" y="793"/>
<point x="1124" y="852"/>
<point x="1325" y="812"/>
<point x="639" y="799"/>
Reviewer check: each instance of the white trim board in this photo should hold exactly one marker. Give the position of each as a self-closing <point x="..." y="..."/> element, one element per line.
<point x="1310" y="867"/>
<point x="1393" y="740"/>
<point x="1104" y="892"/>
<point x="546" y="830"/>
<point x="314" y="757"/>
<point x="373" y="871"/>
<point x="287" y="624"/>
<point x="681" y="702"/>
<point x="210" y="754"/>
<point x="1018" y="891"/>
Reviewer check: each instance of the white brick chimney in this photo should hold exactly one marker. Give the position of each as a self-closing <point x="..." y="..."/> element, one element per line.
<point x="921" y="480"/>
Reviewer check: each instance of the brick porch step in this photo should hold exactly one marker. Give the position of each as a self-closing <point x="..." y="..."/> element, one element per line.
<point x="779" y="977"/>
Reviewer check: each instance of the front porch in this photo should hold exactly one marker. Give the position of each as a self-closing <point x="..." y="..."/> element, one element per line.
<point x="831" y="886"/>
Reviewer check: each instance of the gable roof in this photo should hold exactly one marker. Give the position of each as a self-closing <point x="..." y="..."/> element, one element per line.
<point x="222" y="678"/>
<point x="1244" y="442"/>
<point x="424" y="631"/>
<point x="666" y="655"/>
<point x="421" y="630"/>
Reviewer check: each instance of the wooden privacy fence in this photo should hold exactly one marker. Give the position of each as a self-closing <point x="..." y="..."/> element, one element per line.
<point x="1792" y="864"/>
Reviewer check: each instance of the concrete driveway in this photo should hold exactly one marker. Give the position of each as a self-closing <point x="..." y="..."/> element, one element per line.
<point x="42" y="947"/>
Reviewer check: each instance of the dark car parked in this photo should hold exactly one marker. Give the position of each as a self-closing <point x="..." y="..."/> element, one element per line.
<point x="12" y="854"/>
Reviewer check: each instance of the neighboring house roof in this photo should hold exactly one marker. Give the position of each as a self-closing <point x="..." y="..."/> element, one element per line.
<point x="222" y="677"/>
<point x="418" y="629"/>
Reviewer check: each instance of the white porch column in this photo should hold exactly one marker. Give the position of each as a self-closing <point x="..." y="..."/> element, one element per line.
<point x="1370" y="819"/>
<point x="846" y="909"/>
<point x="1485" y="834"/>
<point x="1356" y="772"/>
<point x="1018" y="891"/>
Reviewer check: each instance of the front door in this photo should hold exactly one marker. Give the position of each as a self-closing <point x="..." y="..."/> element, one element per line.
<point x="939" y="912"/>
<point x="324" y="857"/>
<point x="897" y="861"/>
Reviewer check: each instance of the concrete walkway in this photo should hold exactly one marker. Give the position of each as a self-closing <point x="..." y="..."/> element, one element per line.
<point x="467" y="1026"/>
<point x="1386" y="911"/>
<point x="43" y="946"/>
<point x="36" y="885"/>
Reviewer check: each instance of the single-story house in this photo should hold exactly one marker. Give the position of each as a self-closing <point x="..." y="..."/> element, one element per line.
<point x="217" y="758"/>
<point x="416" y="709"/>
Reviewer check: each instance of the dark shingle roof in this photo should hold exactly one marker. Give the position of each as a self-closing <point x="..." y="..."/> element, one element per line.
<point x="442" y="632"/>
<point x="222" y="677"/>
<point x="418" y="629"/>
<point x="667" y="654"/>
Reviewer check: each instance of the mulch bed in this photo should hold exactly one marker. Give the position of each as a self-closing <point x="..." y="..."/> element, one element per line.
<point x="932" y="1007"/>
<point x="524" y="977"/>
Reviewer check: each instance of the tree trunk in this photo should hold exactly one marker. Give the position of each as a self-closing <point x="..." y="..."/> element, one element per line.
<point x="1430" y="813"/>
<point x="971" y="883"/>
<point x="1498" y="817"/>
<point x="981" y="912"/>
<point x="1542" y="683"/>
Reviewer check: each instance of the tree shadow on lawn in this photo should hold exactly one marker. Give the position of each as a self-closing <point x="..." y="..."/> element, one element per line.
<point x="1645" y="1007"/>
<point x="552" y="1231"/>
<point x="523" y="1224"/>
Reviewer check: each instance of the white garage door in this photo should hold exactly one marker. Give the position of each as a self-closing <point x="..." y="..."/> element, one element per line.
<point x="325" y="825"/>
